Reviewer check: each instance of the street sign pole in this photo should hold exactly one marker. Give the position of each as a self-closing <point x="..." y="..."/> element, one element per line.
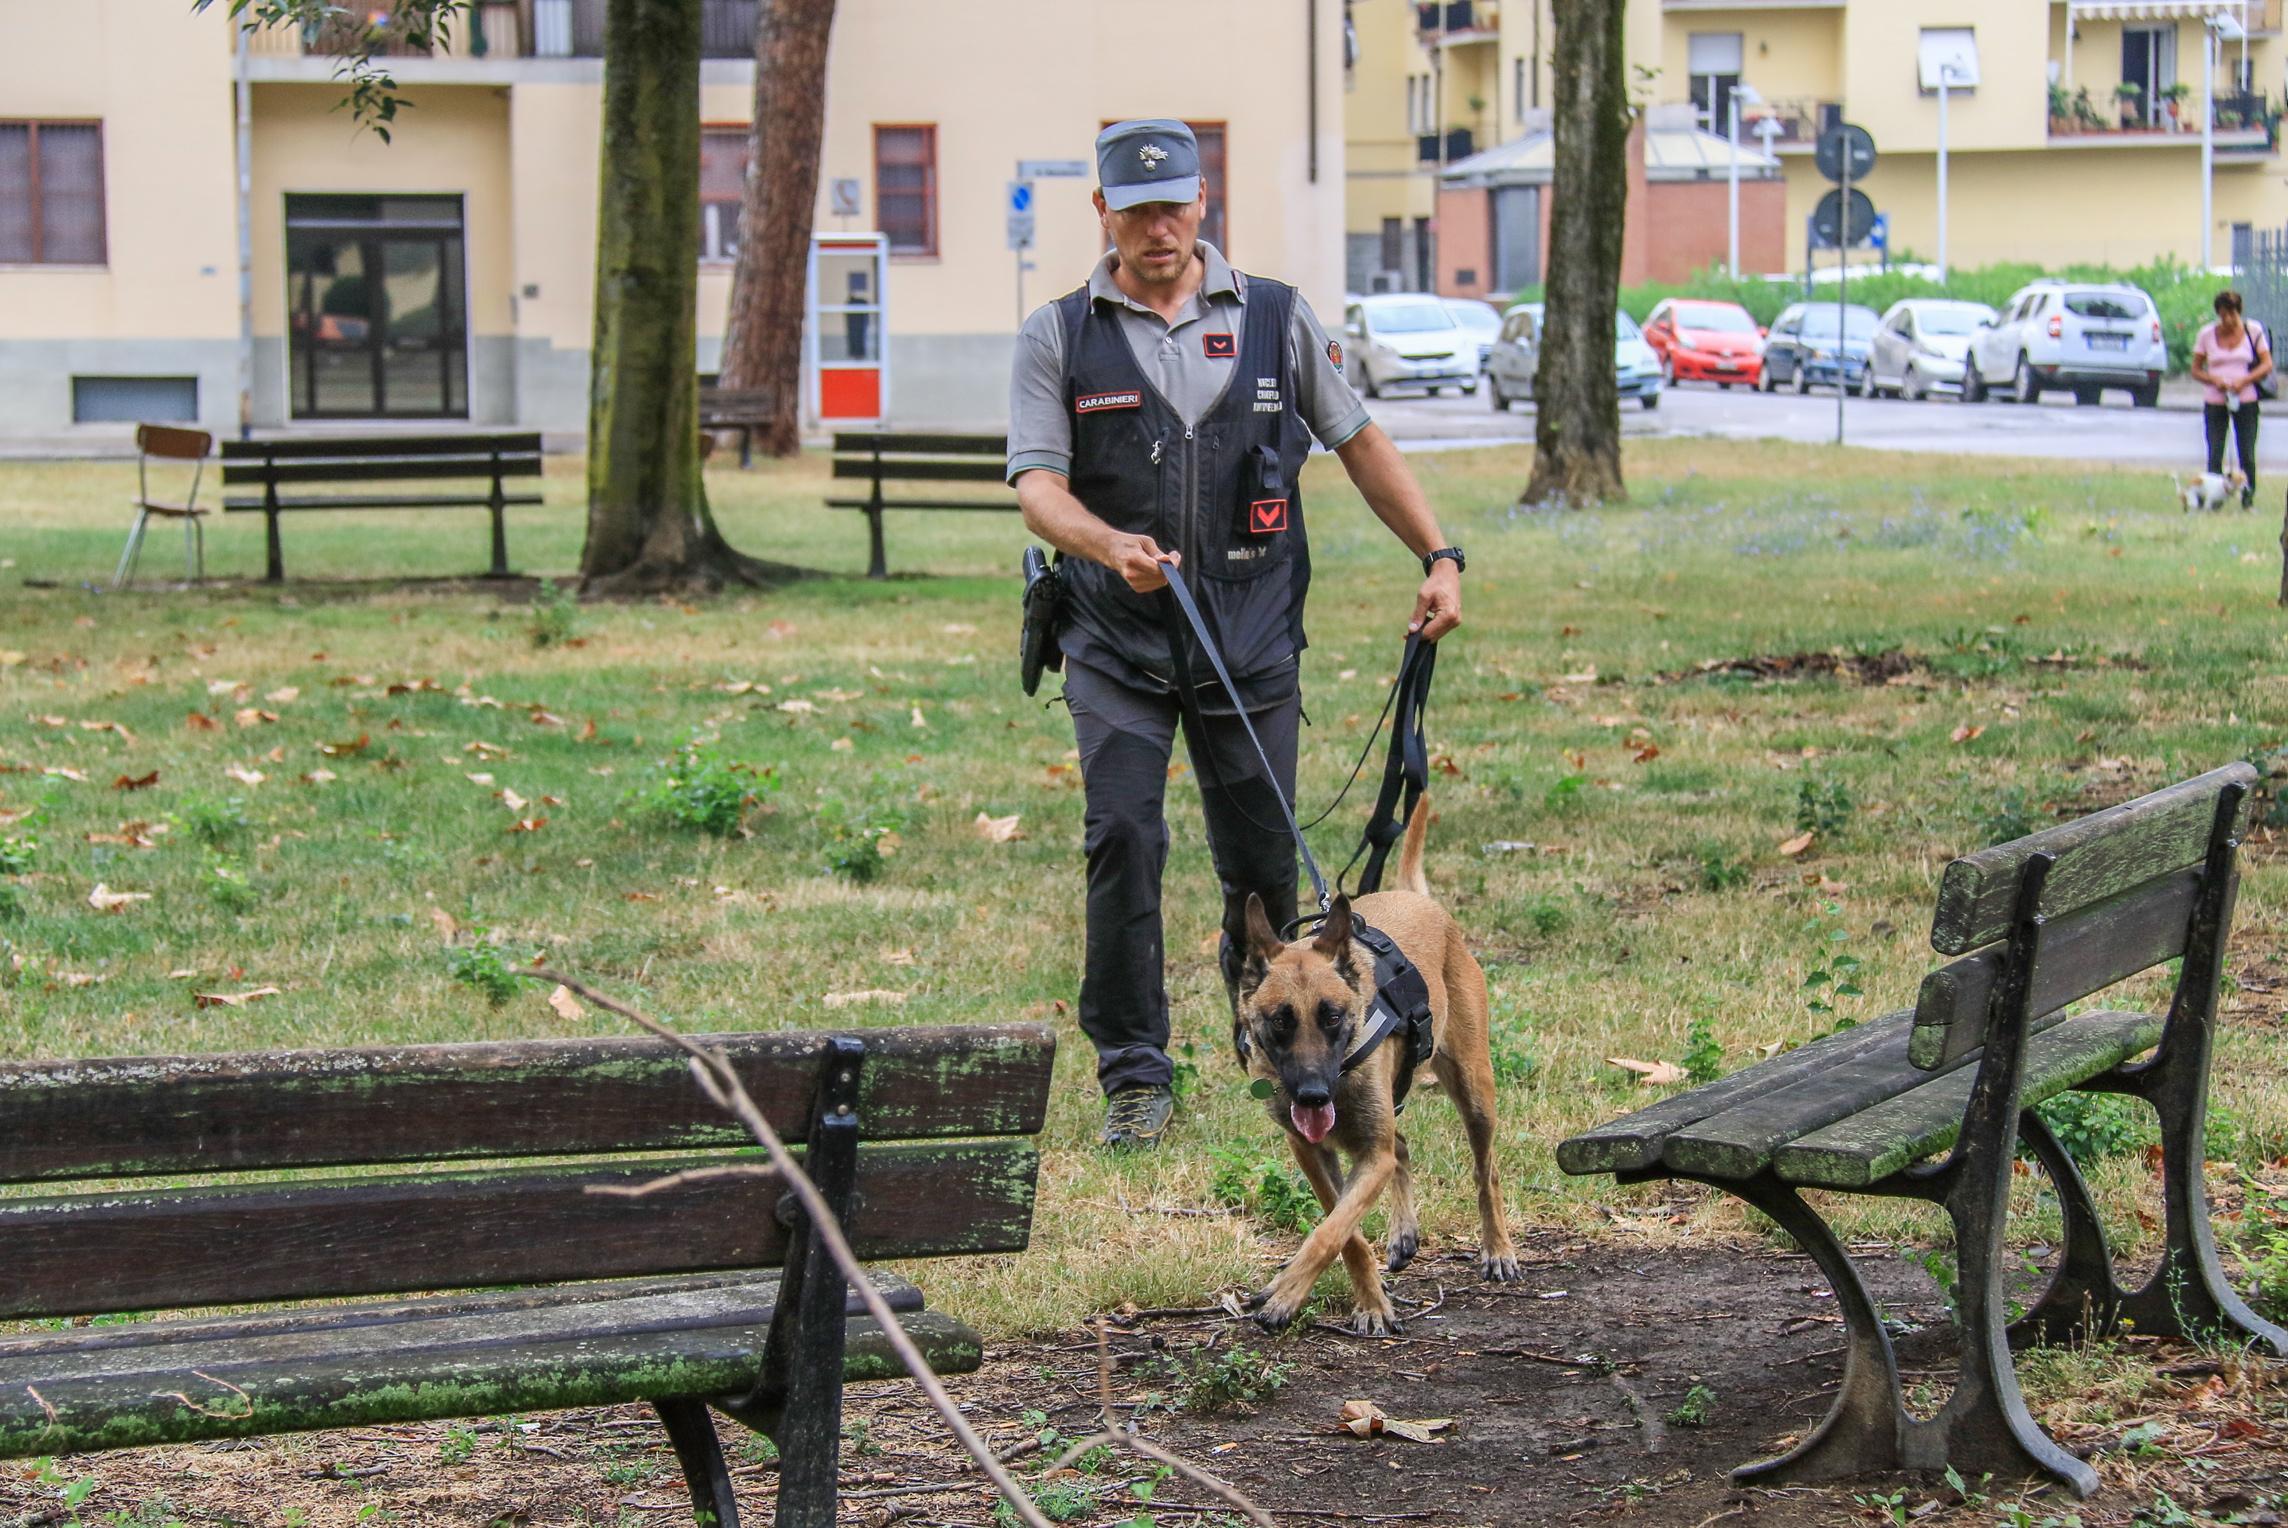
<point x="1020" y="211"/>
<point x="1842" y="295"/>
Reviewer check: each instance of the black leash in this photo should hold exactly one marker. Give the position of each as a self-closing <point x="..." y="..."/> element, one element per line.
<point x="1401" y="999"/>
<point x="1190" y="702"/>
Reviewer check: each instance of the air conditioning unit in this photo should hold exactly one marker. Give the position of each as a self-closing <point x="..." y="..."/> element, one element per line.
<point x="1387" y="281"/>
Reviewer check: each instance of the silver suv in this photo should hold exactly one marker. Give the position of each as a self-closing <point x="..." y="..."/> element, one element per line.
<point x="2077" y="337"/>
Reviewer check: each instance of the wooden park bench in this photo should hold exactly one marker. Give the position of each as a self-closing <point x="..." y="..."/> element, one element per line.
<point x="297" y="464"/>
<point x="744" y="409"/>
<point x="1932" y="1103"/>
<point x="566" y="1297"/>
<point x="884" y="457"/>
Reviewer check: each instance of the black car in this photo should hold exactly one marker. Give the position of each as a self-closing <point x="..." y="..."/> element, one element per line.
<point x="1803" y="351"/>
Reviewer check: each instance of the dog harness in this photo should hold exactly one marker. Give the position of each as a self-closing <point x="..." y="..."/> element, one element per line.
<point x="1401" y="1001"/>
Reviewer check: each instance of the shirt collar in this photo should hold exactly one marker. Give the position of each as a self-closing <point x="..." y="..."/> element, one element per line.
<point x="1219" y="280"/>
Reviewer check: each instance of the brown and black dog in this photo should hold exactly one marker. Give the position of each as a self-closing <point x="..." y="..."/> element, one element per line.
<point x="1302" y="1009"/>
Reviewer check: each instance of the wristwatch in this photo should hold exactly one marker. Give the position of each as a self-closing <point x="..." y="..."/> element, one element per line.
<point x="1451" y="554"/>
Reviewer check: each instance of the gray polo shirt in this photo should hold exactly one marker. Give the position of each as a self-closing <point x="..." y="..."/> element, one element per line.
<point x="1040" y="425"/>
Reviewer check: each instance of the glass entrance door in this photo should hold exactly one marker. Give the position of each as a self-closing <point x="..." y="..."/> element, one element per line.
<point x="375" y="308"/>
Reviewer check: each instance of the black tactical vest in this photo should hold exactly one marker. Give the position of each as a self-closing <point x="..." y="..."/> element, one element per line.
<point x="1223" y="492"/>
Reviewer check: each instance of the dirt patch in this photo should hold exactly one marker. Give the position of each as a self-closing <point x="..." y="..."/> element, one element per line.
<point x="1892" y="666"/>
<point x="1572" y="1396"/>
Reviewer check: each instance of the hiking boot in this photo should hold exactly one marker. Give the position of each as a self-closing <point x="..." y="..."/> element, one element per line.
<point x="1136" y="1118"/>
<point x="2248" y="496"/>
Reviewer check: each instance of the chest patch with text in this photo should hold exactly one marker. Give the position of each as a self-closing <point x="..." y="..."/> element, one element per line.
<point x="1219" y="347"/>
<point x="1267" y="517"/>
<point x="1097" y="402"/>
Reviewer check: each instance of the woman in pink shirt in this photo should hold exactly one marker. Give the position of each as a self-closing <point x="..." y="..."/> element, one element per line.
<point x="2230" y="357"/>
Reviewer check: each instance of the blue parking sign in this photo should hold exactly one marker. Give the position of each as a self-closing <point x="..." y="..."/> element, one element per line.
<point x="1880" y="237"/>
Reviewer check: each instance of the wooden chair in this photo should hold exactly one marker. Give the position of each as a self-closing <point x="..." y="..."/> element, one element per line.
<point x="169" y="443"/>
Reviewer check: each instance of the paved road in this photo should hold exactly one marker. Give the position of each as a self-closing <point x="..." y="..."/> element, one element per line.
<point x="2168" y="439"/>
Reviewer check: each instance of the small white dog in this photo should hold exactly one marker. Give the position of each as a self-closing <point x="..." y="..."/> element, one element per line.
<point x="2208" y="492"/>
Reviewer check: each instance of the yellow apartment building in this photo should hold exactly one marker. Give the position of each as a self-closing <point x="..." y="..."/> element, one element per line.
<point x="449" y="272"/>
<point x="2072" y="126"/>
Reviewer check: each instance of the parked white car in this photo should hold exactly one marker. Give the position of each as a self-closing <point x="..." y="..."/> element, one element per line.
<point x="1922" y="345"/>
<point x="2078" y="337"/>
<point x="1481" y="319"/>
<point x="1407" y="339"/>
<point x="1517" y="356"/>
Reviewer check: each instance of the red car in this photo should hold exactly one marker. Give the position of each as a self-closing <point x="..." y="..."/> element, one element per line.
<point x="1702" y="341"/>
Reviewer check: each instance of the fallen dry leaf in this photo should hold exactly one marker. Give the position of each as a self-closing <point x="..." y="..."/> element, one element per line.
<point x="526" y="825"/>
<point x="510" y="799"/>
<point x="285" y="694"/>
<point x="480" y="778"/>
<point x="107" y="727"/>
<point x="1364" y="1419"/>
<point x="868" y="995"/>
<point x="245" y="776"/>
<point x="135" y="782"/>
<point x="997" y="830"/>
<point x="1645" y="754"/>
<point x="320" y="777"/>
<point x="797" y="707"/>
<point x="1656" y="1074"/>
<point x="898" y="957"/>
<point x="232" y="999"/>
<point x="64" y="772"/>
<point x="350" y="749"/>
<point x="1796" y="845"/>
<point x="81" y="979"/>
<point x="104" y="900"/>
<point x="541" y="718"/>
<point x="250" y="716"/>
<point x="199" y="721"/>
<point x="1964" y="734"/>
<point x="566" y="1005"/>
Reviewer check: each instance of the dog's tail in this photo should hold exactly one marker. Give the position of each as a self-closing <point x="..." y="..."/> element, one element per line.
<point x="1410" y="876"/>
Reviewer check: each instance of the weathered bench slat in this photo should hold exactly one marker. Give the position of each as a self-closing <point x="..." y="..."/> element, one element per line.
<point x="2098" y="857"/>
<point x="1878" y="1142"/>
<point x="390" y="469"/>
<point x="868" y="504"/>
<point x="233" y="1112"/>
<point x="922" y="471"/>
<point x="900" y="442"/>
<point x="70" y="1414"/>
<point x="2082" y="953"/>
<point x="526" y="442"/>
<point x="172" y="1249"/>
<point x="86" y="1347"/>
<point x="1740" y="1141"/>
<point x="382" y="501"/>
<point x="1634" y="1141"/>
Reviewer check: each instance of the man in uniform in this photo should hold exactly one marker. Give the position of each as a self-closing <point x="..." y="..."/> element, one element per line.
<point x="1161" y="414"/>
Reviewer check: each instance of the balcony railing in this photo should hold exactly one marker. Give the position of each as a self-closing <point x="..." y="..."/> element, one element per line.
<point x="2083" y="113"/>
<point x="1795" y="122"/>
<point x="1451" y="16"/>
<point x="500" y="29"/>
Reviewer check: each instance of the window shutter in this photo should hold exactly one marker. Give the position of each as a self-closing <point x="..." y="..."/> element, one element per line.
<point x="15" y="193"/>
<point x="71" y="193"/>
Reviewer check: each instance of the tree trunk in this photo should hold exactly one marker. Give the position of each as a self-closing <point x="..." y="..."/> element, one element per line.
<point x="762" y="338"/>
<point x="1577" y="425"/>
<point x="648" y="522"/>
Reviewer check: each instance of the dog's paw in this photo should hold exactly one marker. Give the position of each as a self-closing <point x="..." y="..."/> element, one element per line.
<point x="1499" y="1268"/>
<point x="1271" y="1313"/>
<point x="1369" y="1323"/>
<point x="1403" y="1246"/>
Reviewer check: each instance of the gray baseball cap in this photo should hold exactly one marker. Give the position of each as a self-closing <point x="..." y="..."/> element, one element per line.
<point x="1155" y="159"/>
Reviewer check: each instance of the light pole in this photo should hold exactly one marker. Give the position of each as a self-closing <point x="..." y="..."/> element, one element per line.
<point x="1946" y="73"/>
<point x="2218" y="26"/>
<point x="1742" y="94"/>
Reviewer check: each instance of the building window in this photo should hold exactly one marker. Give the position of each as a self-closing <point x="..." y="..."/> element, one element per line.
<point x="722" y="190"/>
<point x="905" y="187"/>
<point x="51" y="193"/>
<point x="135" y="400"/>
<point x="1713" y="61"/>
<point x="1412" y="109"/>
<point x="2148" y="61"/>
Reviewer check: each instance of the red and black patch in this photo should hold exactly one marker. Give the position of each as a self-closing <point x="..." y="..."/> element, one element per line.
<point x="1095" y="402"/>
<point x="1335" y="353"/>
<point x="1219" y="347"/>
<point x="1267" y="517"/>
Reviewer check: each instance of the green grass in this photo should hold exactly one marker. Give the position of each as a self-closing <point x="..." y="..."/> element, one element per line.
<point x="2100" y="642"/>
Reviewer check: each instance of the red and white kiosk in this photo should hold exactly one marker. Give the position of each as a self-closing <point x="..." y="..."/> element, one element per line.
<point x="845" y="352"/>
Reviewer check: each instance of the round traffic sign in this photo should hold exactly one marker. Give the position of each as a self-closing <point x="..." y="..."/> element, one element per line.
<point x="1845" y="138"/>
<point x="1828" y="220"/>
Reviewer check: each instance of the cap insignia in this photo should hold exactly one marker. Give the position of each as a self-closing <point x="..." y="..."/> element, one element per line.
<point x="1151" y="154"/>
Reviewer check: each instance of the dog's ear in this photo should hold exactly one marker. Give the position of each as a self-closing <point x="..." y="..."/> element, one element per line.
<point x="1334" y="937"/>
<point x="1263" y="943"/>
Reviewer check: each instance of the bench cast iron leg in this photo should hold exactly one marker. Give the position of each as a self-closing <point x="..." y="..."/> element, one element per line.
<point x="2083" y="1299"/>
<point x="274" y="560"/>
<point x="500" y="546"/>
<point x="877" y="563"/>
<point x="1867" y="1429"/>
<point x="692" y="1431"/>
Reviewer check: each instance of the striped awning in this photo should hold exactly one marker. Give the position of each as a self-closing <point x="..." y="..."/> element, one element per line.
<point x="2153" y="10"/>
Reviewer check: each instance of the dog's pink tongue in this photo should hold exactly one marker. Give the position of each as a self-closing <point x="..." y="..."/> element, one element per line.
<point x="1313" y="1122"/>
